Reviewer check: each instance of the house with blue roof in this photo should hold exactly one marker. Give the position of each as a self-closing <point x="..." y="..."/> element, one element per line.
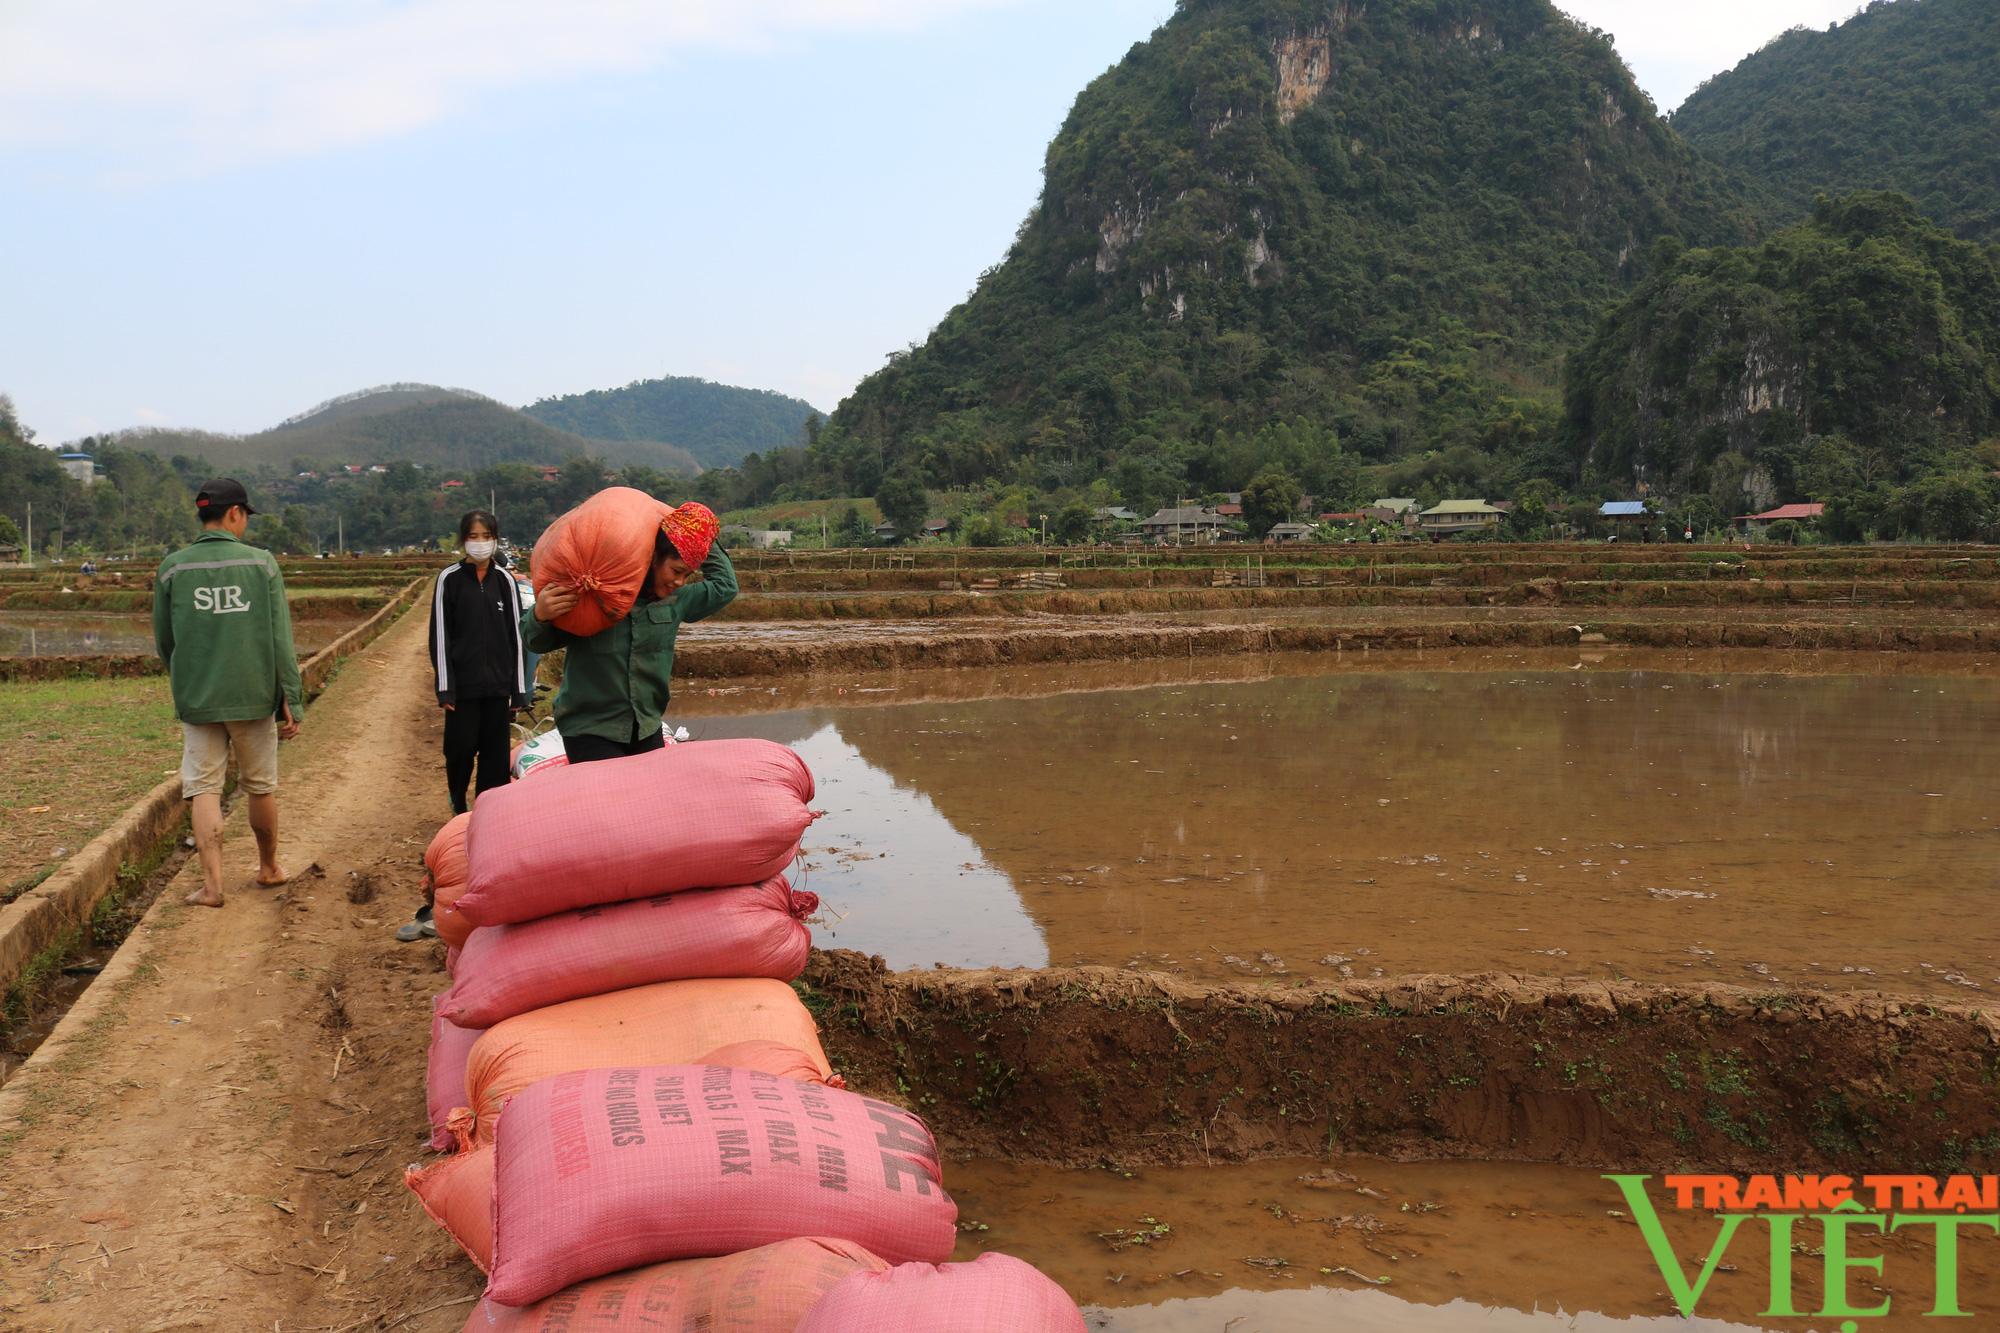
<point x="1624" y="514"/>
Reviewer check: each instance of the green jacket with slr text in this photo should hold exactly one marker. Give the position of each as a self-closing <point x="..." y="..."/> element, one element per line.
<point x="224" y="629"/>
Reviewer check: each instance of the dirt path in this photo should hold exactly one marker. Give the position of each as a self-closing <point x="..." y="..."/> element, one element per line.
<point x="216" y="1137"/>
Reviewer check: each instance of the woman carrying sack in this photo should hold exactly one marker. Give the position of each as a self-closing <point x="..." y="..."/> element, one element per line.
<point x="615" y="682"/>
<point x="476" y="657"/>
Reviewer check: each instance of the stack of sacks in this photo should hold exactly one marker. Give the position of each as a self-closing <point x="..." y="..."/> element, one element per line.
<point x="588" y="936"/>
<point x="444" y="1082"/>
<point x="649" y="1132"/>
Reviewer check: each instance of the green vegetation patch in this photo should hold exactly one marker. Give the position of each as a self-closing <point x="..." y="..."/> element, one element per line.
<point x="85" y="749"/>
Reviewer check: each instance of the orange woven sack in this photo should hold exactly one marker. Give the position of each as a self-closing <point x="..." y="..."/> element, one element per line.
<point x="768" y="1057"/>
<point x="445" y="859"/>
<point x="671" y="1022"/>
<point x="604" y="549"/>
<point x="766" y="1290"/>
<point x="458" y="1195"/>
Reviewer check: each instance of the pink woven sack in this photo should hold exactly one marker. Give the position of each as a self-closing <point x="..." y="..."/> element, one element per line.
<point x="766" y="1290"/>
<point x="995" y="1293"/>
<point x="674" y="1022"/>
<point x="444" y="1073"/>
<point x="457" y="1193"/>
<point x="685" y="817"/>
<point x="755" y="931"/>
<point x="607" y="1169"/>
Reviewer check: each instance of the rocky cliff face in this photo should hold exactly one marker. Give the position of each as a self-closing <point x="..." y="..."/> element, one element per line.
<point x="1866" y="325"/>
<point x="1316" y="182"/>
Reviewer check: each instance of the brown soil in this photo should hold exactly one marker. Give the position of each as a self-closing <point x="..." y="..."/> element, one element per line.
<point x="947" y="558"/>
<point x="1284" y="572"/>
<point x="303" y="608"/>
<point x="745" y="651"/>
<point x="216" y="1138"/>
<point x="1940" y="593"/>
<point x="1075" y="1066"/>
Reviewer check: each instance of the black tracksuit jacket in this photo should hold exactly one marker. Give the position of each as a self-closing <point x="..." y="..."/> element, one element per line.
<point x="476" y="636"/>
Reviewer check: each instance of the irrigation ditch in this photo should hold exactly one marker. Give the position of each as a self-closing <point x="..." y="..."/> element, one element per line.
<point x="51" y="934"/>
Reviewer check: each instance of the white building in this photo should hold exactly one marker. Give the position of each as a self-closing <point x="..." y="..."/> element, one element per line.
<point x="80" y="466"/>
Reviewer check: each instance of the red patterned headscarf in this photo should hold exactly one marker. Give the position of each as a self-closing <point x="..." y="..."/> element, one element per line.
<point x="692" y="528"/>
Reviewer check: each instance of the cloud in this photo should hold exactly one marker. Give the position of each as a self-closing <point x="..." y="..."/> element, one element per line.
<point x="199" y="85"/>
<point x="1671" y="47"/>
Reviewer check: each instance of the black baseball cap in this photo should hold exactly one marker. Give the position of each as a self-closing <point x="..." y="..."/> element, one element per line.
<point x="223" y="491"/>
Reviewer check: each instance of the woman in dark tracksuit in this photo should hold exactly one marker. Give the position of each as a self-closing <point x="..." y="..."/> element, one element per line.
<point x="615" y="684"/>
<point x="476" y="656"/>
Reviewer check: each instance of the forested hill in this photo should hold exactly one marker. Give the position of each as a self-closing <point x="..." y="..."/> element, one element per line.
<point x="1903" y="96"/>
<point x="1387" y="220"/>
<point x="1854" y="359"/>
<point x="717" y="423"/>
<point x="439" y="428"/>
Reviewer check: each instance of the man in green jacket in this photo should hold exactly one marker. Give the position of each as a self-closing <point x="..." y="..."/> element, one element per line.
<point x="224" y="629"/>
<point x="615" y="683"/>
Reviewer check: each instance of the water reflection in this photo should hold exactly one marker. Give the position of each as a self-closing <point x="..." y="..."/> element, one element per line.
<point x="894" y="875"/>
<point x="1321" y="1309"/>
<point x="1346" y="1242"/>
<point x="1830" y="830"/>
<point x="68" y="633"/>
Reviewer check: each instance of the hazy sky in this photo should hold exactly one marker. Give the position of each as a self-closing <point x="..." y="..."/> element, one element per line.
<point x="220" y="212"/>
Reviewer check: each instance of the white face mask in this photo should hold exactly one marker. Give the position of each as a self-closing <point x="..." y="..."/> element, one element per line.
<point x="481" y="550"/>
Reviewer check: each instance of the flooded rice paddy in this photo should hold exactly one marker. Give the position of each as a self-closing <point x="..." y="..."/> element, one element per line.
<point x="71" y="633"/>
<point x="1365" y="1245"/>
<point x="1833" y="831"/>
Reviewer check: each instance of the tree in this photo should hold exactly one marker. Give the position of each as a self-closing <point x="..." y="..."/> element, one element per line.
<point x="1954" y="506"/>
<point x="9" y="534"/>
<point x="1271" y="498"/>
<point x="904" y="502"/>
<point x="981" y="530"/>
<point x="1071" y="523"/>
<point x="1537" y="503"/>
<point x="853" y="529"/>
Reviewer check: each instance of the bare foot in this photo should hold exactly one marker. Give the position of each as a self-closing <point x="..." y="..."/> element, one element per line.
<point x="270" y="877"/>
<point x="204" y="897"/>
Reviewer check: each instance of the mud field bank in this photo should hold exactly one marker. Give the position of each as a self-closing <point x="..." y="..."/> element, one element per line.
<point x="964" y="644"/>
<point x="1077" y="1066"/>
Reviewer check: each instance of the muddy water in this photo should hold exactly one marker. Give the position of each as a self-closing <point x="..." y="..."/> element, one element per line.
<point x="62" y="633"/>
<point x="1834" y="831"/>
<point x="1362" y="1244"/>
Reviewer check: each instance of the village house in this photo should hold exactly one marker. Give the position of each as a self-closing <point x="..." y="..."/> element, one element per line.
<point x="758" y="539"/>
<point x="1289" y="532"/>
<point x="1448" y="518"/>
<point x="1624" y="515"/>
<point x="1184" y="523"/>
<point x="1797" y="513"/>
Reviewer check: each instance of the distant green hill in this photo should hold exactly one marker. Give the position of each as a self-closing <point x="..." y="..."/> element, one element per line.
<point x="1859" y="350"/>
<point x="717" y="423"/>
<point x="1905" y="95"/>
<point x="441" y="428"/>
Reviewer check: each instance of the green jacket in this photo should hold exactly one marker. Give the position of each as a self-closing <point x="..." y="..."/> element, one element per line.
<point x="224" y="629"/>
<point x="614" y="683"/>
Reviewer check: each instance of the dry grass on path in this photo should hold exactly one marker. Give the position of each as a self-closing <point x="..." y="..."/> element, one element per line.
<point x="73" y="755"/>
